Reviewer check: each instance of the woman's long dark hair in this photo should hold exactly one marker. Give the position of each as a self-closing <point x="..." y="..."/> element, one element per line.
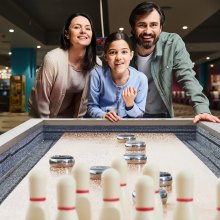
<point x="90" y="56"/>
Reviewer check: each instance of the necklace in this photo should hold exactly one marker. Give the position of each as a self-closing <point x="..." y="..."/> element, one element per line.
<point x="78" y="69"/>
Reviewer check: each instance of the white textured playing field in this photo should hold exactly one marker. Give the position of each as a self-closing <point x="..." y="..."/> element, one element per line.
<point x="165" y="150"/>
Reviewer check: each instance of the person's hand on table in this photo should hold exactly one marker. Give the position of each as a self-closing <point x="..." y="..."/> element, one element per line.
<point x="206" y="117"/>
<point x="111" y="116"/>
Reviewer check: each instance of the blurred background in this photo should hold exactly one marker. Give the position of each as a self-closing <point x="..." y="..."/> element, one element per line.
<point x="30" y="28"/>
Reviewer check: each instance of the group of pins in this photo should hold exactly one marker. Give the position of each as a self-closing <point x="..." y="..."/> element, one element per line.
<point x="73" y="200"/>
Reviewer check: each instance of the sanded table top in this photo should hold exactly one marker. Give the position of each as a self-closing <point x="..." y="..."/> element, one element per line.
<point x="165" y="150"/>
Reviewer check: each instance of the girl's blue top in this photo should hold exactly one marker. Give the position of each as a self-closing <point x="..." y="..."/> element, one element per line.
<point x="105" y="95"/>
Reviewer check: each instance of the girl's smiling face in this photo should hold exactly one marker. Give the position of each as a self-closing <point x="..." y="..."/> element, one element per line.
<point x="118" y="56"/>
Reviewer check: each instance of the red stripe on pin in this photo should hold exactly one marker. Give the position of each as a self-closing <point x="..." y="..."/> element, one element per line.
<point x="123" y="184"/>
<point x="111" y="200"/>
<point x="146" y="209"/>
<point x="218" y="209"/>
<point x="157" y="191"/>
<point x="37" y="199"/>
<point x="82" y="191"/>
<point x="184" y="199"/>
<point x="66" y="208"/>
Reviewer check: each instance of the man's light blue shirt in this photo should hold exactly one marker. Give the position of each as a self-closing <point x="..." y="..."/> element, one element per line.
<point x="105" y="95"/>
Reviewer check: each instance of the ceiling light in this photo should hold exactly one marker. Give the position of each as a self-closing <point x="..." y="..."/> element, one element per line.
<point x="38" y="46"/>
<point x="211" y="65"/>
<point x="185" y="27"/>
<point x="11" y="30"/>
<point x="207" y="58"/>
<point x="9" y="53"/>
<point x="121" y="29"/>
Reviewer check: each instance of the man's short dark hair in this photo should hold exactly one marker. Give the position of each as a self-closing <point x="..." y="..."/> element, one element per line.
<point x="146" y="8"/>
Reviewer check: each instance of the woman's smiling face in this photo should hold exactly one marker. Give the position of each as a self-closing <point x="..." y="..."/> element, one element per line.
<point x="79" y="32"/>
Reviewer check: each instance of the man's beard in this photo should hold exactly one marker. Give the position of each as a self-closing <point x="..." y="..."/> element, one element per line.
<point x="146" y="44"/>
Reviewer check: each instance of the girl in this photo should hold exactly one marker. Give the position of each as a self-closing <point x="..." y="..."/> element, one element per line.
<point x="118" y="90"/>
<point x="61" y="82"/>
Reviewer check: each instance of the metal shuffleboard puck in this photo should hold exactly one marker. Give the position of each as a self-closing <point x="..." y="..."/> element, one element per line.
<point x="126" y="137"/>
<point x="135" y="146"/>
<point x="166" y="180"/>
<point x="163" y="196"/>
<point x="62" y="161"/>
<point x="96" y="172"/>
<point x="135" y="158"/>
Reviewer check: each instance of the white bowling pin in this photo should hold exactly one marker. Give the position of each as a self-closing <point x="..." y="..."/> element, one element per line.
<point x="184" y="193"/>
<point x="144" y="200"/>
<point x="111" y="207"/>
<point x="121" y="166"/>
<point x="83" y="204"/>
<point x="37" y="191"/>
<point x="217" y="216"/>
<point x="66" y="199"/>
<point x="38" y="213"/>
<point x="152" y="170"/>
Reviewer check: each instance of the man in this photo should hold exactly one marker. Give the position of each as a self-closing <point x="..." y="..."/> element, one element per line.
<point x="159" y="55"/>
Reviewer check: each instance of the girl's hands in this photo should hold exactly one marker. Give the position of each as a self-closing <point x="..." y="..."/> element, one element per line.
<point x="128" y="96"/>
<point x="111" y="116"/>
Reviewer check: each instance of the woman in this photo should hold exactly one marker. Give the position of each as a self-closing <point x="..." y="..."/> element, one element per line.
<point x="62" y="81"/>
<point x="118" y="90"/>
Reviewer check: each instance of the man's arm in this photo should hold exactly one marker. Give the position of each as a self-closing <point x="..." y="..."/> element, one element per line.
<point x="186" y="78"/>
